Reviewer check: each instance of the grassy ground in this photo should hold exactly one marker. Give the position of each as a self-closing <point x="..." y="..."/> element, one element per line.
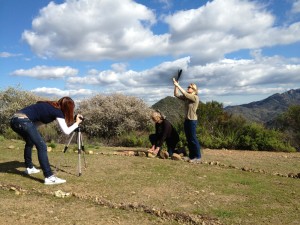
<point x="228" y="187"/>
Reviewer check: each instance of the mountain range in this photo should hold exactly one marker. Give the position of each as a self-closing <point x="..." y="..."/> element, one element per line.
<point x="262" y="111"/>
<point x="267" y="109"/>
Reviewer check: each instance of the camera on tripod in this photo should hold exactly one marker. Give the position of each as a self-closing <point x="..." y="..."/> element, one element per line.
<point x="79" y="140"/>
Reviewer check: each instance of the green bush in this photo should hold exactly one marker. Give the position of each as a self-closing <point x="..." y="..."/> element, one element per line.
<point x="134" y="139"/>
<point x="288" y="123"/>
<point x="50" y="132"/>
<point x="1" y="138"/>
<point x="256" y="137"/>
<point x="216" y="128"/>
<point x="10" y="134"/>
<point x="52" y="145"/>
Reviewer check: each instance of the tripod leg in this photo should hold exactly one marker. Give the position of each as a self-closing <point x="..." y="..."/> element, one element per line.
<point x="67" y="146"/>
<point x="81" y="143"/>
<point x="83" y="150"/>
<point x="79" y="165"/>
<point x="79" y="153"/>
<point x="57" y="168"/>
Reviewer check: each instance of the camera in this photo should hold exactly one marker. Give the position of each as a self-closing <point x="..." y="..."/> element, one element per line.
<point x="80" y="117"/>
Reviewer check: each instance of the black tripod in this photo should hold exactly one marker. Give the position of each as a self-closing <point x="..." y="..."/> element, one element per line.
<point x="80" y="148"/>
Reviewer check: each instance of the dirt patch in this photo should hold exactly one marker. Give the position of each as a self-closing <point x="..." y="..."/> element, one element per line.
<point x="57" y="211"/>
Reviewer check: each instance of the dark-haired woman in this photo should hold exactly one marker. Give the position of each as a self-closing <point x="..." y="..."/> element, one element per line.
<point x="25" y="123"/>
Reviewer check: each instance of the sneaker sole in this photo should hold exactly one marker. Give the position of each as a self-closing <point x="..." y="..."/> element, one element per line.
<point x="55" y="183"/>
<point x="31" y="172"/>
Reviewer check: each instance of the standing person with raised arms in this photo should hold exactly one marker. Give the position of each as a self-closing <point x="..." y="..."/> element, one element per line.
<point x="191" y="102"/>
<point x="26" y="121"/>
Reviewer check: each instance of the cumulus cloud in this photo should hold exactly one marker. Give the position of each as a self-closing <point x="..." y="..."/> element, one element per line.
<point x="213" y="30"/>
<point x="240" y="74"/>
<point x="46" y="72"/>
<point x="91" y="31"/>
<point x="119" y="67"/>
<point x="58" y="92"/>
<point x="233" y="79"/>
<point x="159" y="75"/>
<point x="94" y="30"/>
<point x="226" y="77"/>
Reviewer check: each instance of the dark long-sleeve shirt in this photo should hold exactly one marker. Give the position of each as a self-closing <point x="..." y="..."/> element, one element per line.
<point x="165" y="132"/>
<point x="42" y="112"/>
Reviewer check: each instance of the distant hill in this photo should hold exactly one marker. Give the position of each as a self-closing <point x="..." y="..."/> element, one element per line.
<point x="268" y="109"/>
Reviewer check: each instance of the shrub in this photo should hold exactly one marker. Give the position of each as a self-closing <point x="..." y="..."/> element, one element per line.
<point x="216" y="128"/>
<point x="12" y="100"/>
<point x="52" y="145"/>
<point x="50" y="132"/>
<point x="10" y="134"/>
<point x="135" y="139"/>
<point x="256" y="137"/>
<point x="111" y="116"/>
<point x="288" y="123"/>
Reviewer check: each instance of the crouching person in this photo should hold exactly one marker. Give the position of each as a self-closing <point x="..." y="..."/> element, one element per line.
<point x="164" y="132"/>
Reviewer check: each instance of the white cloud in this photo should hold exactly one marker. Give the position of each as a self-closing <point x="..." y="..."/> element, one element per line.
<point x="119" y="67"/>
<point x="58" y="92"/>
<point x="159" y="75"/>
<point x="8" y="55"/>
<point x="46" y="72"/>
<point x="94" y="30"/>
<point x="296" y="6"/>
<point x="241" y="74"/>
<point x="261" y="75"/>
<point x="221" y="27"/>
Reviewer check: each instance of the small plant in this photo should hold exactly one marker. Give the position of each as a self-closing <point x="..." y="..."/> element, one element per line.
<point x="52" y="145"/>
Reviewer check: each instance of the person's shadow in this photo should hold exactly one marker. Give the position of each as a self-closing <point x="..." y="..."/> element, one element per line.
<point x="11" y="167"/>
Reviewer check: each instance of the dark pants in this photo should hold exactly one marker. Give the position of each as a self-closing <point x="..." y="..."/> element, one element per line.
<point x="171" y="143"/>
<point x="193" y="143"/>
<point x="28" y="131"/>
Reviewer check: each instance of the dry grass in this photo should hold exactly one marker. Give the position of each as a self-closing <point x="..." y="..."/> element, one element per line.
<point x="229" y="187"/>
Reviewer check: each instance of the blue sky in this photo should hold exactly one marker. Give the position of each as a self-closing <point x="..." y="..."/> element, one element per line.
<point x="236" y="51"/>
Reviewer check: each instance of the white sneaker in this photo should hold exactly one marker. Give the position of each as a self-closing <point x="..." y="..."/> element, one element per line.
<point x="32" y="170"/>
<point x="195" y="160"/>
<point x="54" y="180"/>
<point x="186" y="159"/>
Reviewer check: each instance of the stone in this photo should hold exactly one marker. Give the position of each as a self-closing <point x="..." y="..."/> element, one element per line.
<point x="176" y="156"/>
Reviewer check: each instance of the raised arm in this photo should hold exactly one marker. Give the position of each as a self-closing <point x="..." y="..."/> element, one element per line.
<point x="177" y="87"/>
